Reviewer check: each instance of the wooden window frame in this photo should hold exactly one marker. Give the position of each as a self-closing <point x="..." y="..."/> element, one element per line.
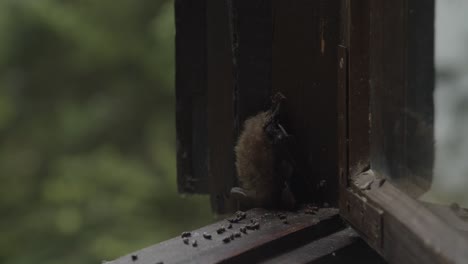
<point x="390" y="46"/>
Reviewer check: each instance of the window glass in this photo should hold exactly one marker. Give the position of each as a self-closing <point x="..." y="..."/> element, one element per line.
<point x="450" y="177"/>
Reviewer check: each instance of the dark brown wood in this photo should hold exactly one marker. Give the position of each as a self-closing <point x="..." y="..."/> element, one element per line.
<point x="305" y="39"/>
<point x="251" y="35"/>
<point x="365" y="217"/>
<point x="342" y="106"/>
<point x="271" y="239"/>
<point x="358" y="252"/>
<point x="220" y="108"/>
<point x="339" y="247"/>
<point x="357" y="42"/>
<point x="191" y="127"/>
<point x="390" y="131"/>
<point x="411" y="232"/>
<point x="204" y="95"/>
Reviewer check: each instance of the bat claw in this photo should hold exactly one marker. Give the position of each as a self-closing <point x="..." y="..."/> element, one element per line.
<point x="245" y="201"/>
<point x="238" y="192"/>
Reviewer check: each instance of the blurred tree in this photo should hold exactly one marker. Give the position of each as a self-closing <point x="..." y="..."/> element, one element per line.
<point x="87" y="153"/>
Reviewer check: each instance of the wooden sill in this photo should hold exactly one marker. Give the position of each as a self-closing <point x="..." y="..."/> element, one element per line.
<point x="305" y="238"/>
<point x="400" y="228"/>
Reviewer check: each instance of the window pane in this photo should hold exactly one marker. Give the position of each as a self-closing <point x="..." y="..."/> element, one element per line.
<point x="450" y="180"/>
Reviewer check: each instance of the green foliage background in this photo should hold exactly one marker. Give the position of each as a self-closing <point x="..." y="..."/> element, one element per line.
<point x="87" y="153"/>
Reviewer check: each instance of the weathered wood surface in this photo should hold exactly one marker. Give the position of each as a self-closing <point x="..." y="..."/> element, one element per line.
<point x="452" y="215"/>
<point x="411" y="233"/>
<point x="271" y="239"/>
<point x="204" y="101"/>
<point x="356" y="39"/>
<point x="389" y="129"/>
<point x="191" y="127"/>
<point x="390" y="89"/>
<point x="305" y="39"/>
<point x="344" y="246"/>
<point x="342" y="127"/>
<point x="220" y="107"/>
<point x="252" y="36"/>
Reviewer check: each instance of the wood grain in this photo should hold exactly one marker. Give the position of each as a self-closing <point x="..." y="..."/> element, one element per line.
<point x="191" y="127"/>
<point x="414" y="234"/>
<point x="272" y="238"/>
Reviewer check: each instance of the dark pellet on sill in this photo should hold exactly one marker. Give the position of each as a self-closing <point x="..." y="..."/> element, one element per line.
<point x="221" y="230"/>
<point x="186" y="234"/>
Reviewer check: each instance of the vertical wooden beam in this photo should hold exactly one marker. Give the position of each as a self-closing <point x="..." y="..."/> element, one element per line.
<point x="251" y="34"/>
<point x="191" y="128"/>
<point x="306" y="36"/>
<point x="390" y="117"/>
<point x="359" y="92"/>
<point x="204" y="85"/>
<point x="220" y="107"/>
<point x="391" y="82"/>
<point x="342" y="137"/>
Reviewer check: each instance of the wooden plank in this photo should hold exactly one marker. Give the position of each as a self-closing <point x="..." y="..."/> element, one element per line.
<point x="338" y="247"/>
<point x="452" y="215"/>
<point x="342" y="106"/>
<point x="365" y="217"/>
<point x="272" y="237"/>
<point x="192" y="164"/>
<point x="390" y="102"/>
<point x="204" y="95"/>
<point x="411" y="232"/>
<point x="251" y="35"/>
<point x="220" y="107"/>
<point x="357" y="37"/>
<point x="358" y="252"/>
<point x="305" y="39"/>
